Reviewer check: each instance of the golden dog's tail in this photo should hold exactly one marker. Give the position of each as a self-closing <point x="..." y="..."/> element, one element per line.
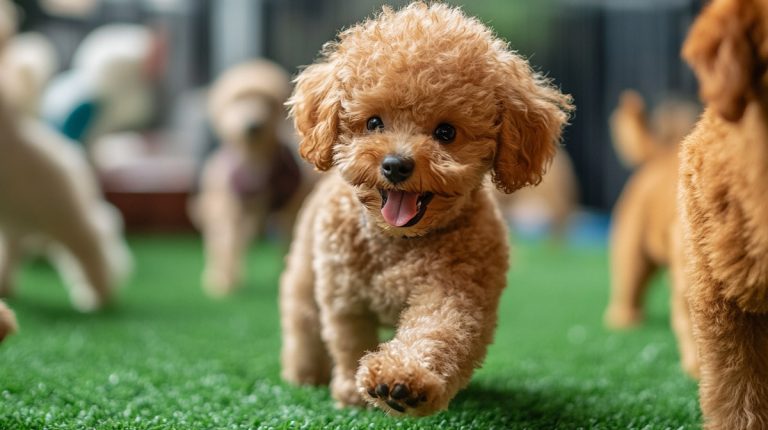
<point x="637" y="139"/>
<point x="631" y="134"/>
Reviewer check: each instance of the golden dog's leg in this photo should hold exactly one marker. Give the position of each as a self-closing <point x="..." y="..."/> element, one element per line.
<point x="304" y="357"/>
<point x="631" y="270"/>
<point x="349" y="338"/>
<point x="10" y="254"/>
<point x="441" y="338"/>
<point x="7" y="321"/>
<point x="680" y="312"/>
<point x="733" y="351"/>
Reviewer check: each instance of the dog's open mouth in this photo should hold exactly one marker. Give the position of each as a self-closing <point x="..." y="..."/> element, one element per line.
<point x="403" y="208"/>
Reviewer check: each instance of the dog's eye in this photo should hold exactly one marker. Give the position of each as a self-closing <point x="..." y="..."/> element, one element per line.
<point x="374" y="123"/>
<point x="444" y="133"/>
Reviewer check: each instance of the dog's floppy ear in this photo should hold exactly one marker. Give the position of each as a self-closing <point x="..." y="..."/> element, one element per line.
<point x="719" y="50"/>
<point x="315" y="106"/>
<point x="531" y="118"/>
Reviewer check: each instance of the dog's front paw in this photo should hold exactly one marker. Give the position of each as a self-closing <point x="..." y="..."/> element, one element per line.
<point x="218" y="283"/>
<point x="400" y="385"/>
<point x="85" y="299"/>
<point x="622" y="317"/>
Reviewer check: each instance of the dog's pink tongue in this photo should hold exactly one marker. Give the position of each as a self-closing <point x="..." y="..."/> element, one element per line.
<point x="400" y="208"/>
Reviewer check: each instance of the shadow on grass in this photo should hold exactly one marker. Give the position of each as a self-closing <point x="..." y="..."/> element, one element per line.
<point x="524" y="409"/>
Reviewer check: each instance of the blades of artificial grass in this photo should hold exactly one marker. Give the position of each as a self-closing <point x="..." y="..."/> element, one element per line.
<point x="167" y="356"/>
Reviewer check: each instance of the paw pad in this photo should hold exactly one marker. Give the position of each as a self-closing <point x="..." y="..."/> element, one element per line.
<point x="399" y="398"/>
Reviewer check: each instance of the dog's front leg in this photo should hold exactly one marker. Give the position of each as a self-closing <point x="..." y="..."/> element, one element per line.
<point x="227" y="231"/>
<point x="348" y="337"/>
<point x="441" y="337"/>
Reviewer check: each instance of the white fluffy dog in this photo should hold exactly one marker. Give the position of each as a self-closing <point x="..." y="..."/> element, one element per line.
<point x="50" y="200"/>
<point x="48" y="193"/>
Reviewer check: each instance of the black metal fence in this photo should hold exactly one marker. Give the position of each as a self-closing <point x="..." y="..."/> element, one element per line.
<point x="593" y="49"/>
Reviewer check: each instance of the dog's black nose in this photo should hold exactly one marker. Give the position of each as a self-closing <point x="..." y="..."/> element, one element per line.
<point x="253" y="129"/>
<point x="396" y="168"/>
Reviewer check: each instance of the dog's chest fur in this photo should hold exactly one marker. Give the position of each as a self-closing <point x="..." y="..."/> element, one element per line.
<point x="725" y="195"/>
<point x="362" y="271"/>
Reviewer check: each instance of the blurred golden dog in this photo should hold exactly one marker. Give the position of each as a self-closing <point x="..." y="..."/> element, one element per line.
<point x="412" y="110"/>
<point x="724" y="209"/>
<point x="252" y="176"/>
<point x="644" y="233"/>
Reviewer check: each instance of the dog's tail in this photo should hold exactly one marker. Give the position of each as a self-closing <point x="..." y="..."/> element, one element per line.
<point x="631" y="134"/>
<point x="638" y="138"/>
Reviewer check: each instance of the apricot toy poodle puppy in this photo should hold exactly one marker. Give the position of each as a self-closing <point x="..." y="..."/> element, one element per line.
<point x="724" y="205"/>
<point x="644" y="231"/>
<point x="410" y="111"/>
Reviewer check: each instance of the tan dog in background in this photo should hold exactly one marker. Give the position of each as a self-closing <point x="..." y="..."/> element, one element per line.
<point x="644" y="235"/>
<point x="411" y="111"/>
<point x="724" y="205"/>
<point x="252" y="177"/>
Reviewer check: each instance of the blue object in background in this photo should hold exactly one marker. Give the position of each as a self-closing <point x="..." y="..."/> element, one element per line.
<point x="585" y="228"/>
<point x="589" y="228"/>
<point x="75" y="125"/>
<point x="70" y="105"/>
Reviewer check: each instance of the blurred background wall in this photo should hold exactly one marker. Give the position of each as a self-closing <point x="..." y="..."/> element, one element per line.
<point x="593" y="49"/>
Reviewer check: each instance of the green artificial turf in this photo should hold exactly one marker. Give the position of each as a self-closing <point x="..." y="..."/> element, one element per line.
<point x="168" y="357"/>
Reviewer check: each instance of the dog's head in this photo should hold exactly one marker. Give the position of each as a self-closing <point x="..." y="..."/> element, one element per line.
<point x="728" y="50"/>
<point x="246" y="105"/>
<point x="415" y="107"/>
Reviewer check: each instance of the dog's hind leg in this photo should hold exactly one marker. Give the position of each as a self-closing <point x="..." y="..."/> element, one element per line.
<point x="227" y="231"/>
<point x="304" y="357"/>
<point x="631" y="269"/>
<point x="680" y="312"/>
<point x="10" y="254"/>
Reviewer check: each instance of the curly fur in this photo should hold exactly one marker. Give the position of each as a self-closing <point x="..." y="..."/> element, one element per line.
<point x="438" y="281"/>
<point x="723" y="189"/>
<point x="644" y="231"/>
